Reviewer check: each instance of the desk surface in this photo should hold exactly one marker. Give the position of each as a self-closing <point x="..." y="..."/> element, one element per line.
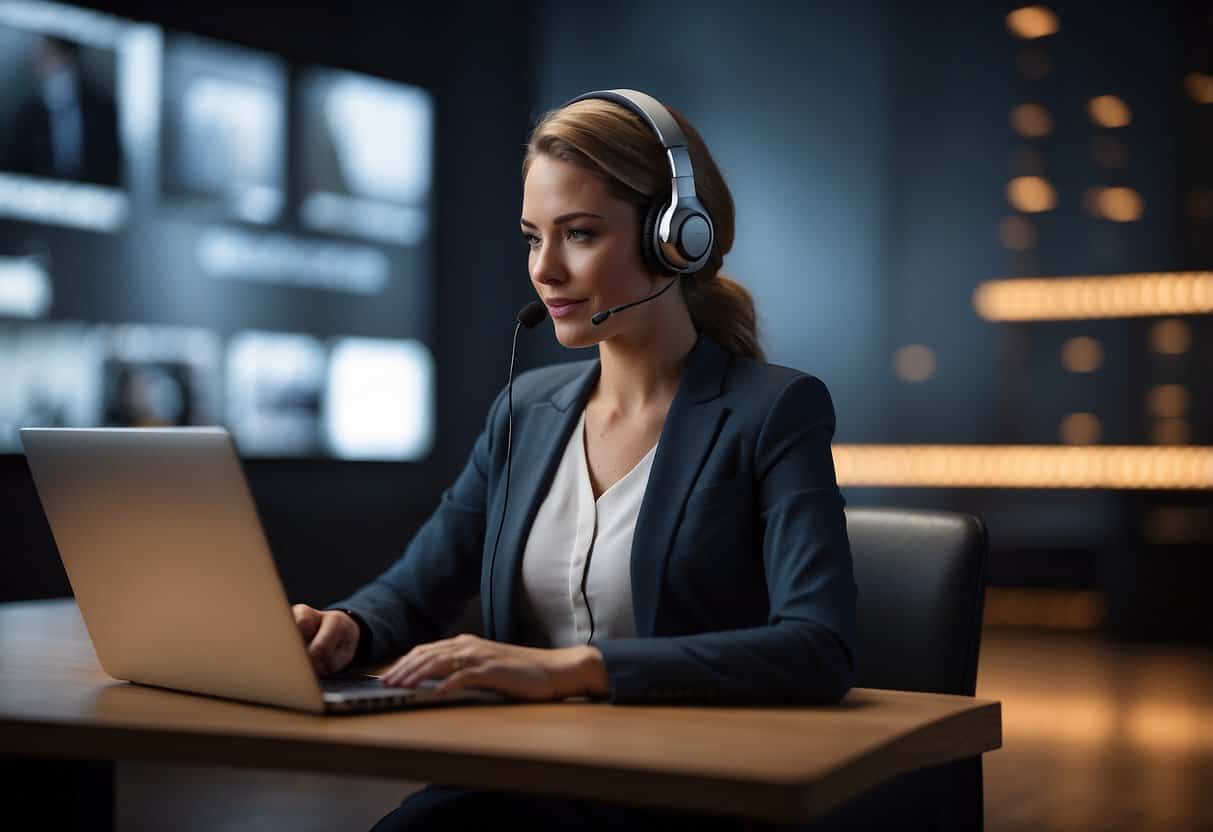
<point x="779" y="763"/>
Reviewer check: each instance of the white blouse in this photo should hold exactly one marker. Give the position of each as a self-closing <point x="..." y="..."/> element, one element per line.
<point x="571" y="528"/>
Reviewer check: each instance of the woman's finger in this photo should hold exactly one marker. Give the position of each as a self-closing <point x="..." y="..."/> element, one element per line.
<point x="418" y="668"/>
<point x="440" y="665"/>
<point x="409" y="661"/>
<point x="480" y="676"/>
<point x="327" y="649"/>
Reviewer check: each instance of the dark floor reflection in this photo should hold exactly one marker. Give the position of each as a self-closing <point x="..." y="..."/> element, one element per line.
<point x="1098" y="735"/>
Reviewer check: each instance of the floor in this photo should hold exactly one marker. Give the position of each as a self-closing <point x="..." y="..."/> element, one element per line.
<point x="1096" y="736"/>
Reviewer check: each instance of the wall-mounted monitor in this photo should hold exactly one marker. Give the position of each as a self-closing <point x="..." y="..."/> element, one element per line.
<point x="194" y="232"/>
<point x="366" y="156"/>
<point x="224" y="139"/>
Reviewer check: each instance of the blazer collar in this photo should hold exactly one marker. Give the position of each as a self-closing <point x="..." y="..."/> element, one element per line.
<point x="690" y="430"/>
<point x="702" y="377"/>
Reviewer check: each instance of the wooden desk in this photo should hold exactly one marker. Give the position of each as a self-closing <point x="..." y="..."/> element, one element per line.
<point x="777" y="763"/>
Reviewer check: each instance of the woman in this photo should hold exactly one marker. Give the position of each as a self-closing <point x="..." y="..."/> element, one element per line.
<point x="696" y="476"/>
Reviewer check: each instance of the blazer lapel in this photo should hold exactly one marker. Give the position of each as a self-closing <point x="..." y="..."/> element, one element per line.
<point x="539" y="441"/>
<point x="690" y="431"/>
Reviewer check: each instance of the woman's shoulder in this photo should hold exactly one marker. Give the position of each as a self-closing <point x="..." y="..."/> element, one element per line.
<point x="773" y="400"/>
<point x="542" y="384"/>
<point x="761" y="381"/>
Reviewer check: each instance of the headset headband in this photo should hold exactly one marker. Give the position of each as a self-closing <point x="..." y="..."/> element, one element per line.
<point x="663" y="125"/>
<point x="678" y="234"/>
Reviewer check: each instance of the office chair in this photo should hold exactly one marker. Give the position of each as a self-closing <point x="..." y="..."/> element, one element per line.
<point x="921" y="577"/>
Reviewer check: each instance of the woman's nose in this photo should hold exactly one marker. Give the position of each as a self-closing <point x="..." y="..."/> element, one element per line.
<point x="547" y="266"/>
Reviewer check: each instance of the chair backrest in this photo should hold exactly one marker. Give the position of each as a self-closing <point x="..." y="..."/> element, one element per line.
<point x="921" y="577"/>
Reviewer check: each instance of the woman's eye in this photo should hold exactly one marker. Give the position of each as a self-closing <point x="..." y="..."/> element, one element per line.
<point x="577" y="234"/>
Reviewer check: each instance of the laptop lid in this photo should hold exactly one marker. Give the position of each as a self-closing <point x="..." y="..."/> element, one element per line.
<point x="168" y="561"/>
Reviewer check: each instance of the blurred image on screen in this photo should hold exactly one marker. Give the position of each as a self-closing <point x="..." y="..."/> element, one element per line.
<point x="25" y="287"/>
<point x="224" y="123"/>
<point x="52" y="378"/>
<point x="380" y="399"/>
<point x="58" y="113"/>
<point x="366" y="156"/>
<point x="65" y="157"/>
<point x="275" y="384"/>
<point x="156" y="274"/>
<point x="159" y="376"/>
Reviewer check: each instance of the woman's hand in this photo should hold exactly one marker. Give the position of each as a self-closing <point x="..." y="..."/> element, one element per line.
<point x="331" y="637"/>
<point x="518" y="672"/>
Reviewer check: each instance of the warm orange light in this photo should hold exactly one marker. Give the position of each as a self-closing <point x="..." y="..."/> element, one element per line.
<point x="1025" y="466"/>
<point x="1199" y="87"/>
<point x="1101" y="296"/>
<point x="1031" y="121"/>
<point x="914" y="362"/>
<point x="1017" y="233"/>
<point x="1103" y="720"/>
<point x="1054" y="609"/>
<point x="1031" y="194"/>
<point x="1167" y="401"/>
<point x="1171" y="337"/>
<point x="1030" y="22"/>
<point x="1082" y="354"/>
<point x="1109" y="111"/>
<point x="1119" y="204"/>
<point x="1169" y="727"/>
<point x="1080" y="429"/>
<point x="1083" y="722"/>
<point x="1171" y="432"/>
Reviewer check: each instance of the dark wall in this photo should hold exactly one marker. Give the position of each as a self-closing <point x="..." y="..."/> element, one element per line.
<point x="791" y="100"/>
<point x="333" y="525"/>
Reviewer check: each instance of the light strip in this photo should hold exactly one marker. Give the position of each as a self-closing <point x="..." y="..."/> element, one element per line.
<point x="1048" y="607"/>
<point x="59" y="202"/>
<point x="1101" y="296"/>
<point x="1025" y="466"/>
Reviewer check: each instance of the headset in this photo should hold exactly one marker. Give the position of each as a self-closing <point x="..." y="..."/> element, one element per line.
<point x="678" y="234"/>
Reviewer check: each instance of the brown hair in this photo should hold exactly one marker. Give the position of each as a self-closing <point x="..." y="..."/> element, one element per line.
<point x="614" y="144"/>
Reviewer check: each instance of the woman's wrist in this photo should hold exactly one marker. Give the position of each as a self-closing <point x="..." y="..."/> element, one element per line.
<point x="589" y="672"/>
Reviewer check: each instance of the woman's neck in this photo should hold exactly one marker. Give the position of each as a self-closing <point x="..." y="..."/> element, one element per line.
<point x="642" y="368"/>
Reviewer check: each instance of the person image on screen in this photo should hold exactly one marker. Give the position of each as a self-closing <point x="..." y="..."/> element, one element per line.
<point x="674" y="531"/>
<point x="66" y="129"/>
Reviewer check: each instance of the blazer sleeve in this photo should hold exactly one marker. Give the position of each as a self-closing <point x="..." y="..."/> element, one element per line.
<point x="803" y="653"/>
<point x="423" y="592"/>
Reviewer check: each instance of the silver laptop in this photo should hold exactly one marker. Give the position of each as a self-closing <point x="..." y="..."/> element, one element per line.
<point x="175" y="581"/>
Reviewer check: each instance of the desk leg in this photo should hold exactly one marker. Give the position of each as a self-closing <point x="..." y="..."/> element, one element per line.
<point x="942" y="798"/>
<point x="58" y="793"/>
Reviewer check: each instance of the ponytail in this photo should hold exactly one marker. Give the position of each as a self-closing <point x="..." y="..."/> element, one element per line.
<point x="722" y="309"/>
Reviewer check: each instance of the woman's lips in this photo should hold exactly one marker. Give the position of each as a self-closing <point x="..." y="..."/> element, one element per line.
<point x="560" y="310"/>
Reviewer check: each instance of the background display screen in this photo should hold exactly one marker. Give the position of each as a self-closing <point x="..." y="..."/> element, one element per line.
<point x="195" y="233"/>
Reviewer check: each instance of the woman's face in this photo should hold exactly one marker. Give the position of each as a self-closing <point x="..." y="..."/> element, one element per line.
<point x="584" y="251"/>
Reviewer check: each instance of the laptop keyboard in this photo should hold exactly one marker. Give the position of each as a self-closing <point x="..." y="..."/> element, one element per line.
<point x="341" y="685"/>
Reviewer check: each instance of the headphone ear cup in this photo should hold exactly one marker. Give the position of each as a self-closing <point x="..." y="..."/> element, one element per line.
<point x="648" y="238"/>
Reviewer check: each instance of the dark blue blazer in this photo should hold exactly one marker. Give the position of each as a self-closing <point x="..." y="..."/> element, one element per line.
<point x="742" y="585"/>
